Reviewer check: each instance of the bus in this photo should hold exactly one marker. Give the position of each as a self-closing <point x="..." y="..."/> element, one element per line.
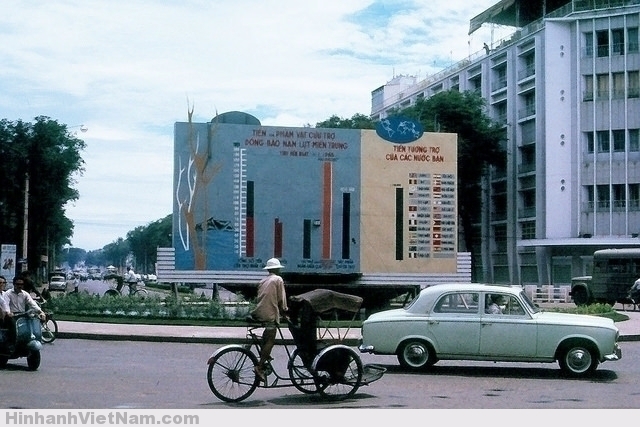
<point x="614" y="272"/>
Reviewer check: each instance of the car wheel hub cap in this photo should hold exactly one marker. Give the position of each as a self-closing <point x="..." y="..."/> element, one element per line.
<point x="416" y="354"/>
<point x="579" y="360"/>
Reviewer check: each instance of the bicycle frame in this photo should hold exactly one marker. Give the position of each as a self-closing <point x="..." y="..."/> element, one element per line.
<point x="254" y="345"/>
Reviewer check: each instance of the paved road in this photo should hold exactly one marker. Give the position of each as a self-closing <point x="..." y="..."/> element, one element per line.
<point x="122" y="374"/>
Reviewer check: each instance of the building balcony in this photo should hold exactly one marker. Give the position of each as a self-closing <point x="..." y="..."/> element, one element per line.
<point x="529" y="110"/>
<point x="528" y="212"/>
<point x="526" y="72"/>
<point x="526" y="167"/>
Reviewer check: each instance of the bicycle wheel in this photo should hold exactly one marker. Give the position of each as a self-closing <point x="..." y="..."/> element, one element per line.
<point x="231" y="374"/>
<point x="49" y="330"/>
<point x="337" y="372"/>
<point x="141" y="292"/>
<point x="300" y="375"/>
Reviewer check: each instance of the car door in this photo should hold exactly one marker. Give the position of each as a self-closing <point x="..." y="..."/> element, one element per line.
<point x="455" y="323"/>
<point x="512" y="333"/>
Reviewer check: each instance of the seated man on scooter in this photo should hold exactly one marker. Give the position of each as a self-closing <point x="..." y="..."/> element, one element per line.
<point x="20" y="301"/>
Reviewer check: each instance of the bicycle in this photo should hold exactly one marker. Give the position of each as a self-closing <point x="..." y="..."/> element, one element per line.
<point x="49" y="328"/>
<point x="330" y="369"/>
<point x="117" y="291"/>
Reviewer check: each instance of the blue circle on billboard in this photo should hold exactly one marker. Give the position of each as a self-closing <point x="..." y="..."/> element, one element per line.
<point x="399" y="130"/>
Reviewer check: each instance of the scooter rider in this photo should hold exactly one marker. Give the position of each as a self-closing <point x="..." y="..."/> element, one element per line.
<point x="20" y="300"/>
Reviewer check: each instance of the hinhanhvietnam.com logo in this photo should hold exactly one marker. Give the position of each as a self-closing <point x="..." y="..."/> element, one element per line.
<point x="57" y="417"/>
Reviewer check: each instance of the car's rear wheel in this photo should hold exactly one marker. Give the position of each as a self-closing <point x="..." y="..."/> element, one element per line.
<point x="416" y="354"/>
<point x="577" y="360"/>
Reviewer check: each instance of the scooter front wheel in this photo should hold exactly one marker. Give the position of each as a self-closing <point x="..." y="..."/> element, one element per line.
<point x="33" y="360"/>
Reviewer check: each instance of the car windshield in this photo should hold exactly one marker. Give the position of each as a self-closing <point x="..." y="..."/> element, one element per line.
<point x="532" y="306"/>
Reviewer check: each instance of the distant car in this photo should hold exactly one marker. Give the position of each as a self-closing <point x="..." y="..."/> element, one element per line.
<point x="150" y="278"/>
<point x="58" y="283"/>
<point x="452" y="321"/>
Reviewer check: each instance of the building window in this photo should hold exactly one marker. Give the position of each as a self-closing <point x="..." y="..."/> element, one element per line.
<point x="475" y="83"/>
<point x="617" y="41"/>
<point x="603" y="86"/>
<point x="590" y="197"/>
<point x="500" y="237"/>
<point x="589" y="139"/>
<point x="501" y="113"/>
<point x="499" y="78"/>
<point x="634" y="84"/>
<point x="618" y="140"/>
<point x="632" y="39"/>
<point x="618" y="85"/>
<point x="603" y="141"/>
<point x="619" y="196"/>
<point x="529" y="101"/>
<point x="528" y="66"/>
<point x="588" y="44"/>
<point x="634" y="140"/>
<point x="528" y="132"/>
<point x="603" y="197"/>
<point x="588" y="88"/>
<point x="528" y="230"/>
<point x="602" y="39"/>
<point x="634" y="197"/>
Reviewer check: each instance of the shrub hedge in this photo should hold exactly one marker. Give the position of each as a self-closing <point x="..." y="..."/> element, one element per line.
<point x="150" y="306"/>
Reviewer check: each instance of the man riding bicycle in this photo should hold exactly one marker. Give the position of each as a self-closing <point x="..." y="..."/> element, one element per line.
<point x="271" y="303"/>
<point x="131" y="279"/>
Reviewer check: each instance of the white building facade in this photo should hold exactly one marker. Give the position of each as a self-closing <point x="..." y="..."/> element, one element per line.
<point x="566" y="86"/>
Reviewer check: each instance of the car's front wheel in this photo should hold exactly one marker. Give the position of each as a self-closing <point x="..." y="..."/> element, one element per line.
<point x="416" y="354"/>
<point x="577" y="360"/>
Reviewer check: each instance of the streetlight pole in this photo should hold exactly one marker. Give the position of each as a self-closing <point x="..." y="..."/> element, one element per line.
<point x="25" y="231"/>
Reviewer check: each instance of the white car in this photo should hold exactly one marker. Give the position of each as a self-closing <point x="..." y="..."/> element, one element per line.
<point x="58" y="283"/>
<point x="453" y="321"/>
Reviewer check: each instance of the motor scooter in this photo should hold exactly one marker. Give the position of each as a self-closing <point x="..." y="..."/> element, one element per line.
<point x="27" y="342"/>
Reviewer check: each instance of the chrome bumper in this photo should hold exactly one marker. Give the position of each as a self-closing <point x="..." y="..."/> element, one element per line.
<point x="365" y="348"/>
<point x="617" y="355"/>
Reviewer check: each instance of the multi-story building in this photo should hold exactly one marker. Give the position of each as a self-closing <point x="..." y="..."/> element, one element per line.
<point x="566" y="86"/>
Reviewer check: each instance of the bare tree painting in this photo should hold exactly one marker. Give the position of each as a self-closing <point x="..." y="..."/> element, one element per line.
<point x="194" y="175"/>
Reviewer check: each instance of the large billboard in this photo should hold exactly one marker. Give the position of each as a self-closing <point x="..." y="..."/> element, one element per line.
<point x="321" y="200"/>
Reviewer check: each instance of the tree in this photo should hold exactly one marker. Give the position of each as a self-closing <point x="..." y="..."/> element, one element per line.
<point x="145" y="240"/>
<point x="117" y="253"/>
<point x="47" y="156"/>
<point x="479" y="145"/>
<point x="357" y="121"/>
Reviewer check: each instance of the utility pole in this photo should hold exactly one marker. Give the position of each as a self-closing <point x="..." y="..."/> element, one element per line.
<point x="25" y="233"/>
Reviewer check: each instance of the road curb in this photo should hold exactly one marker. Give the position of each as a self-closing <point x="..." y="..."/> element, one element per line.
<point x="352" y="342"/>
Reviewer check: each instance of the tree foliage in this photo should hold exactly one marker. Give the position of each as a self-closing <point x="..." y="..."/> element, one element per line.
<point x="144" y="242"/>
<point x="357" y="121"/>
<point x="47" y="156"/>
<point x="479" y="145"/>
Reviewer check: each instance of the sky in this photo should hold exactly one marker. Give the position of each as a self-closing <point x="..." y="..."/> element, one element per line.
<point x="120" y="73"/>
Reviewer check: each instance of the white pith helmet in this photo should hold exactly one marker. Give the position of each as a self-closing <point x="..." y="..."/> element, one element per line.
<point x="272" y="264"/>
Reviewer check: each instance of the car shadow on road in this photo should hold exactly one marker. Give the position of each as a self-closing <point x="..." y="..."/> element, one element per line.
<point x="528" y="372"/>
